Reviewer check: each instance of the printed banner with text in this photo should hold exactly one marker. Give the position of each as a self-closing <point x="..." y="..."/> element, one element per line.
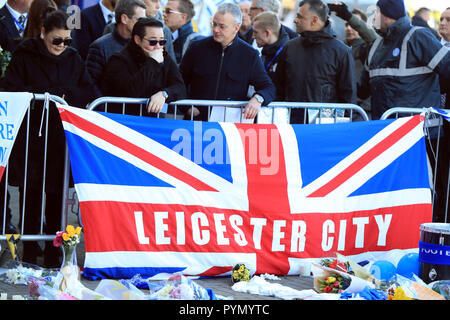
<point x="13" y="106"/>
<point x="163" y="196"/>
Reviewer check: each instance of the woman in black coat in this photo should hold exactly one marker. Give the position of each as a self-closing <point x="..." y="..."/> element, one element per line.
<point x="42" y="64"/>
<point x="143" y="69"/>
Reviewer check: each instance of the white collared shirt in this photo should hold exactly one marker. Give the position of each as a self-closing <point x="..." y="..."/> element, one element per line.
<point x="106" y="12"/>
<point x="175" y="35"/>
<point x="16" y="16"/>
<point x="445" y="43"/>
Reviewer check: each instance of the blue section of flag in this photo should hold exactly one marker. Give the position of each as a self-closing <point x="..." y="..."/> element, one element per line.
<point x="388" y="180"/>
<point x="125" y="273"/>
<point x="322" y="146"/>
<point x="204" y="143"/>
<point x="94" y="165"/>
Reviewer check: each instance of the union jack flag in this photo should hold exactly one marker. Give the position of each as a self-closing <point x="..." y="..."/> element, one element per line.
<point x="162" y="196"/>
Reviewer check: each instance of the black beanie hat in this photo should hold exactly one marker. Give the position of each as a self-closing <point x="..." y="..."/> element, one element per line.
<point x="394" y="9"/>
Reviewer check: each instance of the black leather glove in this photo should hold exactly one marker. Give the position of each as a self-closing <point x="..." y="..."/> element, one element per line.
<point x="341" y="10"/>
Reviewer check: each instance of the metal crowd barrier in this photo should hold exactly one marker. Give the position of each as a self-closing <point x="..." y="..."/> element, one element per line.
<point x="40" y="236"/>
<point x="332" y="112"/>
<point x="349" y="112"/>
<point x="433" y="129"/>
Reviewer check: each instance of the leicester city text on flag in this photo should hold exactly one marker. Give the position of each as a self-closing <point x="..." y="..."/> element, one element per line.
<point x="162" y="195"/>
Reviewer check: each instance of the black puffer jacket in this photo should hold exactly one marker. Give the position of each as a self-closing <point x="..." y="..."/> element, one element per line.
<point x="34" y="69"/>
<point x="316" y="67"/>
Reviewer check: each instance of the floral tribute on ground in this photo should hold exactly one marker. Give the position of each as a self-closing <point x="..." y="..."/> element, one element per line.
<point x="68" y="241"/>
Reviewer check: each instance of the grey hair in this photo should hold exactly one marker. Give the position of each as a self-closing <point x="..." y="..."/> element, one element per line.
<point x="232" y="9"/>
<point x="268" y="5"/>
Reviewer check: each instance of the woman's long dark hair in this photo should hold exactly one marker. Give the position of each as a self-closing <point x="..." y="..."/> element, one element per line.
<point x="36" y="15"/>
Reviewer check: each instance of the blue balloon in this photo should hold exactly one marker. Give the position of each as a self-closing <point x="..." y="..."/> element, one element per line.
<point x="408" y="265"/>
<point x="383" y="270"/>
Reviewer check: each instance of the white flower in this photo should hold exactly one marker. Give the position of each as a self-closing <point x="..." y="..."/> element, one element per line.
<point x="13" y="276"/>
<point x="21" y="274"/>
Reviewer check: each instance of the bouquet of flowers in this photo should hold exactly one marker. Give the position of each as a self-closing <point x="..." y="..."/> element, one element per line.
<point x="344" y="264"/>
<point x="333" y="283"/>
<point x="18" y="272"/>
<point x="67" y="278"/>
<point x="68" y="238"/>
<point x="336" y="264"/>
<point x="331" y="280"/>
<point x="178" y="287"/>
<point x="240" y="273"/>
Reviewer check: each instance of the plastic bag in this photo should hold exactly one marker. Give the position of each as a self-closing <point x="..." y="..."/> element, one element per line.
<point x="178" y="287"/>
<point x="366" y="294"/>
<point x="416" y="289"/>
<point x="43" y="290"/>
<point x="18" y="272"/>
<point x="120" y="290"/>
<point x="442" y="287"/>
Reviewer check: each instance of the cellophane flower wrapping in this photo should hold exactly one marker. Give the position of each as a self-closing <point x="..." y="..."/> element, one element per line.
<point x="355" y="284"/>
<point x="177" y="287"/>
<point x="414" y="289"/>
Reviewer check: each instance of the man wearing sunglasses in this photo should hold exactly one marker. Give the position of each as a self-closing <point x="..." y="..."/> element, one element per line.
<point x="154" y="10"/>
<point x="143" y="69"/>
<point x="177" y="16"/>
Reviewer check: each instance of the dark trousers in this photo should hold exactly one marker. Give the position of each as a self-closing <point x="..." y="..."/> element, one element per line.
<point x="32" y="225"/>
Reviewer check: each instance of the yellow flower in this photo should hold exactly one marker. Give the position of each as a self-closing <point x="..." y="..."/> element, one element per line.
<point x="400" y="295"/>
<point x="65" y="236"/>
<point x="331" y="279"/>
<point x="70" y="230"/>
<point x="78" y="230"/>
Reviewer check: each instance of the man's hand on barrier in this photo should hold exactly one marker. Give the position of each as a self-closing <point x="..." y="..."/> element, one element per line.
<point x="252" y="108"/>
<point x="156" y="102"/>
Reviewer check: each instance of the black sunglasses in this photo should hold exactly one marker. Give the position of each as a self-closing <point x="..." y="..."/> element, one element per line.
<point x="154" y="42"/>
<point x="58" y="41"/>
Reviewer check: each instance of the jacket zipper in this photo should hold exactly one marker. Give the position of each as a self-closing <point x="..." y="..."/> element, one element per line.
<point x="218" y="74"/>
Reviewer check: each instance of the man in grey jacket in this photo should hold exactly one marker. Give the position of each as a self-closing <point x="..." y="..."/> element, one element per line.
<point x="127" y="12"/>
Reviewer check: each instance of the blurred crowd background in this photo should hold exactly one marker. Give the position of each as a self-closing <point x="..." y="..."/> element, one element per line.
<point x="205" y="9"/>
